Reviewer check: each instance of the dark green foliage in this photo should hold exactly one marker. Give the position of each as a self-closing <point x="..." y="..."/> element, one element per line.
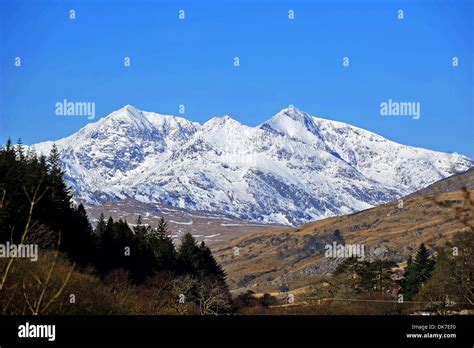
<point x="199" y="262"/>
<point x="20" y="175"/>
<point x="120" y="247"/>
<point x="187" y="254"/>
<point x="451" y="284"/>
<point x="381" y="273"/>
<point x="78" y="241"/>
<point x="417" y="272"/>
<point x="267" y="300"/>
<point x="140" y="251"/>
<point x="144" y="251"/>
<point x="162" y="229"/>
<point x="248" y="299"/>
<point x="163" y="247"/>
<point x="355" y="272"/>
<point x="350" y="266"/>
<point x="101" y="224"/>
<point x="367" y="276"/>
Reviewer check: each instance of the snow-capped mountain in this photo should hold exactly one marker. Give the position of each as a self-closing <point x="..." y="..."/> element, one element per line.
<point x="291" y="169"/>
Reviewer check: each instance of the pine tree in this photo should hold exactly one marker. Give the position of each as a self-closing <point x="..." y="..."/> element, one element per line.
<point x="101" y="224"/>
<point x="163" y="247"/>
<point x="424" y="264"/>
<point x="106" y="259"/>
<point x="8" y="145"/>
<point x="54" y="161"/>
<point x="162" y="230"/>
<point x="187" y="254"/>
<point x="357" y="276"/>
<point x="79" y="241"/>
<point x="141" y="231"/>
<point x="417" y="272"/>
<point x="199" y="262"/>
<point x="20" y="150"/>
<point x="207" y="264"/>
<point x="381" y="271"/>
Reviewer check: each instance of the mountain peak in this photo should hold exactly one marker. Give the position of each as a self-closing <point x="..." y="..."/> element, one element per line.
<point x="293" y="113"/>
<point x="295" y="168"/>
<point x="129" y="107"/>
<point x="219" y="121"/>
<point x="127" y="113"/>
<point x="293" y="122"/>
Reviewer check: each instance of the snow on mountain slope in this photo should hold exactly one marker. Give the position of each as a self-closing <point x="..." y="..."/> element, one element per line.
<point x="291" y="169"/>
<point x="385" y="161"/>
<point x="106" y="153"/>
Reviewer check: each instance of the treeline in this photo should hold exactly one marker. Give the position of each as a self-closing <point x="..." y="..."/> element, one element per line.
<point x="381" y="275"/>
<point x="439" y="282"/>
<point x="36" y="207"/>
<point x="144" y="251"/>
<point x="448" y="285"/>
<point x="34" y="196"/>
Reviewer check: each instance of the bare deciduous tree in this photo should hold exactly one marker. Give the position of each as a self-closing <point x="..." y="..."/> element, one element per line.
<point x="34" y="199"/>
<point x="182" y="298"/>
<point x="44" y="293"/>
<point x="212" y="298"/>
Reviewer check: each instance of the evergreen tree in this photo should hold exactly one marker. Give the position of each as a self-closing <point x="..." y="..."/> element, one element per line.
<point x="438" y="291"/>
<point x="381" y="272"/>
<point x="197" y="260"/>
<point x="80" y="243"/>
<point x="417" y="272"/>
<point x="54" y="161"/>
<point x="424" y="263"/>
<point x="121" y="248"/>
<point x="207" y="264"/>
<point x="141" y="231"/>
<point x="162" y="230"/>
<point x="452" y="281"/>
<point x="163" y="247"/>
<point x="101" y="224"/>
<point x="187" y="254"/>
<point x="141" y="251"/>
<point x="20" y="150"/>
<point x="366" y="276"/>
<point x="8" y="145"/>
<point x="358" y="276"/>
<point x="106" y="259"/>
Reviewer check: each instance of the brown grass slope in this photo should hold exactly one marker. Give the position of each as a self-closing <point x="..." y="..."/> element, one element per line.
<point x="294" y="257"/>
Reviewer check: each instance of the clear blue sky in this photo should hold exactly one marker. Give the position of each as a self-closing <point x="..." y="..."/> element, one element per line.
<point x="283" y="62"/>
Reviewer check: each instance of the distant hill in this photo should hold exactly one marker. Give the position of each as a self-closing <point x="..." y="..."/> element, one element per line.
<point x="295" y="256"/>
<point x="453" y="183"/>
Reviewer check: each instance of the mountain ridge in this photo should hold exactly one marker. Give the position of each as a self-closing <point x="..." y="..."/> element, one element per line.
<point x="291" y="169"/>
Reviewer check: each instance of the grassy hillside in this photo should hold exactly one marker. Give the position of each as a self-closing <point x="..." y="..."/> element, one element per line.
<point x="294" y="257"/>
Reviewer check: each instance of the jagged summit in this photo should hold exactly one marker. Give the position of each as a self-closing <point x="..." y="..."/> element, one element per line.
<point x="127" y="110"/>
<point x="130" y="108"/>
<point x="220" y="121"/>
<point x="294" y="123"/>
<point x="294" y="113"/>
